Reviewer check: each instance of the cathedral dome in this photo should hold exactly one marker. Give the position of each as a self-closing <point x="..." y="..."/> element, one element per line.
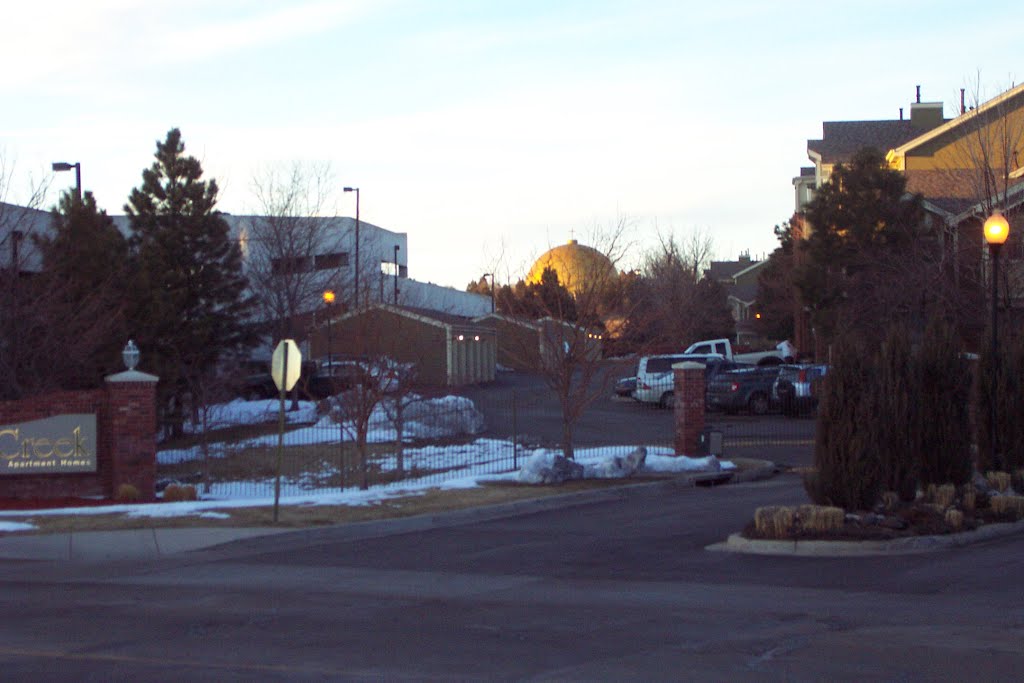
<point x="578" y="267"/>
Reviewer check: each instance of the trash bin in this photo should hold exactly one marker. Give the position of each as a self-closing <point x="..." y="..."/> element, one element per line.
<point x="710" y="442"/>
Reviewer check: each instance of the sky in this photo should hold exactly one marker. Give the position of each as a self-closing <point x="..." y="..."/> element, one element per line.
<point x="492" y="131"/>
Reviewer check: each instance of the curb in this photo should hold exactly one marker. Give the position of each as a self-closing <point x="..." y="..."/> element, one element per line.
<point x="898" y="546"/>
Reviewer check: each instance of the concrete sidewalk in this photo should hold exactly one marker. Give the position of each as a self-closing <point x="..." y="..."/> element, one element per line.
<point x="123" y="544"/>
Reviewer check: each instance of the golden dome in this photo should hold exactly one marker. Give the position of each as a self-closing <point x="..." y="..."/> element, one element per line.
<point x="578" y="266"/>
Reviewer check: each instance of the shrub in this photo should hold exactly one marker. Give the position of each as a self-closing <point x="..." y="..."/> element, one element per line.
<point x="1000" y="481"/>
<point x="955" y="519"/>
<point x="175" y="493"/>
<point x="969" y="499"/>
<point x="847" y="471"/>
<point x="1009" y="400"/>
<point x="897" y="424"/>
<point x="773" y="521"/>
<point x="128" y="492"/>
<point x="1008" y="506"/>
<point x="942" y="379"/>
<point x="943" y="496"/>
<point x="820" y="517"/>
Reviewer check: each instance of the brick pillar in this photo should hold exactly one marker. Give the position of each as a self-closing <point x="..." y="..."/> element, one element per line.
<point x="131" y="411"/>
<point x="689" y="406"/>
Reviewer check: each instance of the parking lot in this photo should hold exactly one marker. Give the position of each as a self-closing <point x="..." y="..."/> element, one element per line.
<point x="520" y="405"/>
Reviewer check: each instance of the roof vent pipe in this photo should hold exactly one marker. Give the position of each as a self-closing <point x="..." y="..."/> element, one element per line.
<point x="901" y="113"/>
<point x="919" y="94"/>
<point x="963" y="108"/>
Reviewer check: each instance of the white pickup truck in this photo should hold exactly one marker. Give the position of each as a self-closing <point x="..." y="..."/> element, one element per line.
<point x="783" y="351"/>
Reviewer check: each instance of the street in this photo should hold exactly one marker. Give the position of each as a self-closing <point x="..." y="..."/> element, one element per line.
<point x="619" y="588"/>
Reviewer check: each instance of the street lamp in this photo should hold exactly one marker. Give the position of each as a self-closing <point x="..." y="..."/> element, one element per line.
<point x="356" y="190"/>
<point x="65" y="166"/>
<point x="328" y="300"/>
<point x="491" y="275"/>
<point x="996" y="231"/>
<point x="396" y="273"/>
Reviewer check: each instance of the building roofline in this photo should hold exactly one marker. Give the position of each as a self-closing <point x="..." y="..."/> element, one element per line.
<point x="953" y="123"/>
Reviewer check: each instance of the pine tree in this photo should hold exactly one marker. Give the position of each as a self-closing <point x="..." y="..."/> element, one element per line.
<point x="82" y="284"/>
<point x="190" y="303"/>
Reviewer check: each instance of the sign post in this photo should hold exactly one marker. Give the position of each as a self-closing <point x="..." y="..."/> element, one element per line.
<point x="285" y="366"/>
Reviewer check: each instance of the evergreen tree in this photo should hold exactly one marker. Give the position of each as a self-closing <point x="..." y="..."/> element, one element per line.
<point x="82" y="284"/>
<point x="190" y="305"/>
<point x="860" y="251"/>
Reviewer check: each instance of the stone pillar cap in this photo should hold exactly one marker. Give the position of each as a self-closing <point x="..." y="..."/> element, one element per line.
<point x="131" y="376"/>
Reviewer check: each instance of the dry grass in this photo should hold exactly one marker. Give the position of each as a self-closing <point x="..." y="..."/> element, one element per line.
<point x="943" y="496"/>
<point x="774" y="521"/>
<point x="821" y="517"/>
<point x="955" y="519"/>
<point x="1000" y="481"/>
<point x="1010" y="506"/>
<point x="431" y="501"/>
<point x="969" y="499"/>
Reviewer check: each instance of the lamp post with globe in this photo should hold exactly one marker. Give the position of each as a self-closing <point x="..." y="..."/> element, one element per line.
<point x="997" y="229"/>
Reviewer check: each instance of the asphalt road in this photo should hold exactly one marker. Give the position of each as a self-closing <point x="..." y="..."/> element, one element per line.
<point x="613" y="589"/>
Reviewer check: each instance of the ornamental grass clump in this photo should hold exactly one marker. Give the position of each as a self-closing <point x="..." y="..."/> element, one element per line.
<point x="1008" y="506"/>
<point x="820" y="518"/>
<point x="774" y="521"/>
<point x="1000" y="481"/>
<point x="943" y="496"/>
<point x="128" y="492"/>
<point x="969" y="499"/>
<point x="955" y="519"/>
<point x="176" y="493"/>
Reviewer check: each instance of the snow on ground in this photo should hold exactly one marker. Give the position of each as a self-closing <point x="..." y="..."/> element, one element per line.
<point x="253" y="494"/>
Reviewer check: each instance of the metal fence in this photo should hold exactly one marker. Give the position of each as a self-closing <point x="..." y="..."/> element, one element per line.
<point x="328" y="447"/>
<point x="491" y="429"/>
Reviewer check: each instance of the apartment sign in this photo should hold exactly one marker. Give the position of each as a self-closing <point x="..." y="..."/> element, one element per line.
<point x="60" y="444"/>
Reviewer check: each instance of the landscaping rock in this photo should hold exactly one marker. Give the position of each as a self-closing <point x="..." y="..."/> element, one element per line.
<point x="562" y="469"/>
<point x="618" y="467"/>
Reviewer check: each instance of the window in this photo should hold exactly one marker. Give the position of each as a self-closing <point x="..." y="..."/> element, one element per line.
<point x="331" y="261"/>
<point x="289" y="265"/>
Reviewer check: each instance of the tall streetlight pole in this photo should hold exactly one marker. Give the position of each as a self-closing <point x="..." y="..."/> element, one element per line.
<point x="356" y="190"/>
<point x="996" y="231"/>
<point x="65" y="166"/>
<point x="396" y="273"/>
<point x="328" y="300"/>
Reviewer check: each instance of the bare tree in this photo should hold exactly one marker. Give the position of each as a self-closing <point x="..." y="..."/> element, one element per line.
<point x="674" y="303"/>
<point x="565" y="326"/>
<point x="294" y="246"/>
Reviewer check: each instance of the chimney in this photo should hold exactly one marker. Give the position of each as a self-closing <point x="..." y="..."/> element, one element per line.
<point x="963" y="109"/>
<point x="901" y="113"/>
<point x="919" y="94"/>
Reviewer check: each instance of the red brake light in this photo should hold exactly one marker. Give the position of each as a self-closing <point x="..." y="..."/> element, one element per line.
<point x="735" y="386"/>
<point x="801" y="376"/>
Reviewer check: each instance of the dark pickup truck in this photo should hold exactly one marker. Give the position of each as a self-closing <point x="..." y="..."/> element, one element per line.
<point x="314" y="381"/>
<point x="743" y="389"/>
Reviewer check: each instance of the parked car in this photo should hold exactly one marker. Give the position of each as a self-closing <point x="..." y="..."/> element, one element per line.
<point x="625" y="386"/>
<point x="797" y="388"/>
<point x="655" y="382"/>
<point x="742" y="389"/>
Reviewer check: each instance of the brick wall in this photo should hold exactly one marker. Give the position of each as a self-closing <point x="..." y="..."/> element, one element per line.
<point x="689" y="407"/>
<point x="125" y="412"/>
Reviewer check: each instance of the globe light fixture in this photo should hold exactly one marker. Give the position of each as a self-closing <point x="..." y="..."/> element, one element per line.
<point x="997" y="229"/>
<point x="130" y="355"/>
